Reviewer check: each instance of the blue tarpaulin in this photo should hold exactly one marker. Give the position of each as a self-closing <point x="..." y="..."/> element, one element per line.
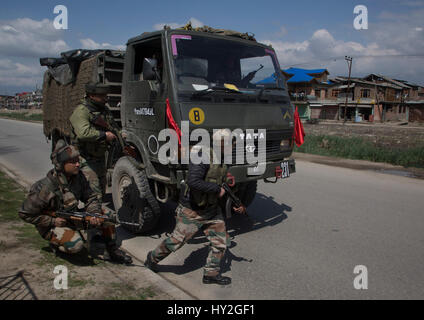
<point x="271" y="79"/>
<point x="302" y="75"/>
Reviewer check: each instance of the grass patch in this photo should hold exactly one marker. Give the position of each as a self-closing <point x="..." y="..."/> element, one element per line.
<point x="362" y="149"/>
<point x="26" y="116"/>
<point x="127" y="291"/>
<point x="77" y="282"/>
<point x="28" y="234"/>
<point x="11" y="198"/>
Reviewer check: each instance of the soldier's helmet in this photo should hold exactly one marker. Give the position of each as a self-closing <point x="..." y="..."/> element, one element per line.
<point x="63" y="152"/>
<point x="97" y="88"/>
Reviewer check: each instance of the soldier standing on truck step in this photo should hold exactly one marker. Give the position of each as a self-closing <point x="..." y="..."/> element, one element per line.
<point x="90" y="122"/>
<point x="61" y="190"/>
<point x="198" y="208"/>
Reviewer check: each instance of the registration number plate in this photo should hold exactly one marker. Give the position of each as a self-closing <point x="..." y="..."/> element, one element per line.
<point x="285" y="169"/>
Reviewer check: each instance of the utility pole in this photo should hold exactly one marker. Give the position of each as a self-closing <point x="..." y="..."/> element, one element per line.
<point x="349" y="64"/>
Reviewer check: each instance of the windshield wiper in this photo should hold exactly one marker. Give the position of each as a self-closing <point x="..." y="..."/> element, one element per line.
<point x="261" y="91"/>
<point x="215" y="89"/>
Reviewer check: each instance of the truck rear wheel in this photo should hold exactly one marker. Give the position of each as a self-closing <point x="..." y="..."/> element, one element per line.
<point x="132" y="197"/>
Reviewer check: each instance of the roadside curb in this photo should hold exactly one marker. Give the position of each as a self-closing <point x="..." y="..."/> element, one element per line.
<point x="158" y="281"/>
<point x="380" y="167"/>
<point x="23" y="183"/>
<point x="32" y="121"/>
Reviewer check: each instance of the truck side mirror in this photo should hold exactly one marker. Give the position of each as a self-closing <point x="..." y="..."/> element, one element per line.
<point x="150" y="71"/>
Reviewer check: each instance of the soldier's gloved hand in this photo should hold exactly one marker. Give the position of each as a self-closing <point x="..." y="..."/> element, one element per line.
<point x="241" y="210"/>
<point x="110" y="136"/>
<point x="59" y="222"/>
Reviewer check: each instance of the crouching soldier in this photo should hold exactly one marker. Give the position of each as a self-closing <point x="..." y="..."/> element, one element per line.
<point x="61" y="190"/>
<point x="91" y="122"/>
<point x="199" y="209"/>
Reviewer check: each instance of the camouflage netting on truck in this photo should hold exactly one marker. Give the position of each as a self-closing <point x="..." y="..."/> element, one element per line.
<point x="225" y="32"/>
<point x="64" y="85"/>
<point x="65" y="69"/>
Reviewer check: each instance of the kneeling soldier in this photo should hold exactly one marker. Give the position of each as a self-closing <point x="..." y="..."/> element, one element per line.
<point x="61" y="190"/>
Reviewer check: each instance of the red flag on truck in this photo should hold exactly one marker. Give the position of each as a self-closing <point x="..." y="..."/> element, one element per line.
<point x="171" y="121"/>
<point x="299" y="133"/>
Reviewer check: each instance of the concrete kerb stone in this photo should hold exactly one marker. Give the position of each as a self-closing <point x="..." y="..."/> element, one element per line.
<point x="23" y="183"/>
<point x="161" y="283"/>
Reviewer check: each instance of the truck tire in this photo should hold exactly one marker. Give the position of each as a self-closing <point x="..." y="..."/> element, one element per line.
<point x="132" y="197"/>
<point x="247" y="192"/>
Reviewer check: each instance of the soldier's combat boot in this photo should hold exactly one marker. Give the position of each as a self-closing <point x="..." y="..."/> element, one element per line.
<point x="117" y="255"/>
<point x="149" y="263"/>
<point x="54" y="248"/>
<point x="218" y="279"/>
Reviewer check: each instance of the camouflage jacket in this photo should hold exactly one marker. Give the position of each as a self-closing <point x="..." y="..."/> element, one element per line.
<point x="55" y="192"/>
<point x="89" y="136"/>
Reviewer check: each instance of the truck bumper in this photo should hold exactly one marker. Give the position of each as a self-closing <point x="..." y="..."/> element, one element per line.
<point x="272" y="170"/>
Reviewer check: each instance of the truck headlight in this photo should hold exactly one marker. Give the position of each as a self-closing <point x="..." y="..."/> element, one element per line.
<point x="285" y="144"/>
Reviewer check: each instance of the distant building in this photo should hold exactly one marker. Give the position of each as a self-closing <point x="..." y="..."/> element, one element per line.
<point x="6" y="102"/>
<point x="305" y="86"/>
<point x="372" y="98"/>
<point x="28" y="100"/>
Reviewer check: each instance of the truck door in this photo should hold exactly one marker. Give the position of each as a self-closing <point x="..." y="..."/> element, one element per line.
<point x="143" y="100"/>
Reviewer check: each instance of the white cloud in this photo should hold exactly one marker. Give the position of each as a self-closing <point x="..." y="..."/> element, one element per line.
<point x="322" y="50"/>
<point x="91" y="44"/>
<point x="25" y="37"/>
<point x="19" y="74"/>
<point x="195" y="23"/>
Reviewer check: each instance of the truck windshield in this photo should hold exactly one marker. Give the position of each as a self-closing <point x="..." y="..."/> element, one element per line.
<point x="203" y="63"/>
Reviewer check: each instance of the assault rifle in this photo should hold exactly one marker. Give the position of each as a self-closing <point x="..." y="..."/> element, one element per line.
<point x="84" y="218"/>
<point x="102" y="123"/>
<point x="232" y="196"/>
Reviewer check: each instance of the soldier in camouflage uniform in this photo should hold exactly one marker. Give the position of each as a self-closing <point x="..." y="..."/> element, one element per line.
<point x="90" y="122"/>
<point x="199" y="209"/>
<point x="61" y="190"/>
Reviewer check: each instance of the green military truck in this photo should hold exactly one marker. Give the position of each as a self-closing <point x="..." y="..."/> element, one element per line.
<point x="209" y="78"/>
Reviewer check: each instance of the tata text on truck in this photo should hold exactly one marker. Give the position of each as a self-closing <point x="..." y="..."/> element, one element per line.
<point x="168" y="78"/>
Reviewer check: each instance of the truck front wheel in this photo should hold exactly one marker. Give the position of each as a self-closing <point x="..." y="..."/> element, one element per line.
<point x="132" y="197"/>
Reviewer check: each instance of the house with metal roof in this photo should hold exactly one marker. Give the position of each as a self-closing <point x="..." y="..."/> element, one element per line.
<point x="304" y="86"/>
<point x="371" y="98"/>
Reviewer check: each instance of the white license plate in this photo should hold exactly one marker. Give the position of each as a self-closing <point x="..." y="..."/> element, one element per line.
<point x="286" y="169"/>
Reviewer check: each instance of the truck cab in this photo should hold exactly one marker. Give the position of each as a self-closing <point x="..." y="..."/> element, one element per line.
<point x="210" y="81"/>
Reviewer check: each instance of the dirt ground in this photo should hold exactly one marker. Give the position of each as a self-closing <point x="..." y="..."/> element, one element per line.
<point x="384" y="135"/>
<point x="28" y="274"/>
<point x="27" y="264"/>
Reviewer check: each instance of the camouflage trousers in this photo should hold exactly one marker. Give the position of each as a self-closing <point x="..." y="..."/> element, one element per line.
<point x="187" y="224"/>
<point x="94" y="171"/>
<point x="69" y="240"/>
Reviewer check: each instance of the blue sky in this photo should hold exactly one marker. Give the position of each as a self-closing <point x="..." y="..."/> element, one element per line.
<point x="304" y="33"/>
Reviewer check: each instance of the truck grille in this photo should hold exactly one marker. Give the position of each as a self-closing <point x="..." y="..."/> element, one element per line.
<point x="273" y="140"/>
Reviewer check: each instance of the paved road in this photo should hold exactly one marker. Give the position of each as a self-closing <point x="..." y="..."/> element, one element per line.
<point x="305" y="236"/>
<point x="23" y="149"/>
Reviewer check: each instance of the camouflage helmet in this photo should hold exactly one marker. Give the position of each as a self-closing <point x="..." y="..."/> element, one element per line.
<point x="96" y="88"/>
<point x="62" y="153"/>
